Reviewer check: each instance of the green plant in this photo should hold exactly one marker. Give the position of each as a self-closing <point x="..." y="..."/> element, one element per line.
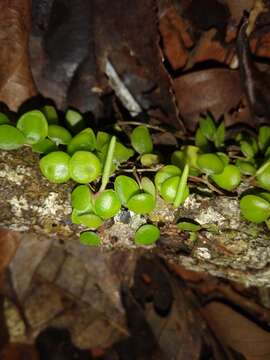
<point x="58" y="134"/>
<point x="55" y="166"/>
<point x="255" y="208"/>
<point x="147" y="235"/>
<point x="229" y="179"/>
<point x="84" y="167"/>
<point x="10" y="137"/>
<point x="92" y="159"/>
<point x="89" y="238"/>
<point x="33" y="125"/>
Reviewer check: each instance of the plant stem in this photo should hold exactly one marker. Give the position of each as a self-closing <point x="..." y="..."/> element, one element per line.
<point x="179" y="197"/>
<point x="108" y="164"/>
<point x="154" y="127"/>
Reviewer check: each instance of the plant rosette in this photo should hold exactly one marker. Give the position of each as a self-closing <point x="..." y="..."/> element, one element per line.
<point x="137" y="198"/>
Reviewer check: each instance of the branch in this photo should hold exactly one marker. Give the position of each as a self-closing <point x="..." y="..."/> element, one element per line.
<point x="226" y="246"/>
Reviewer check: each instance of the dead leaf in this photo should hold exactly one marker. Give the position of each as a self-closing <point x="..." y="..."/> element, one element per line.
<point x="9" y="242"/>
<point x="214" y="90"/>
<point x="16" y="83"/>
<point x="237" y="8"/>
<point x="237" y="332"/>
<point x="175" y="38"/>
<point x="209" y="48"/>
<point x="19" y="352"/>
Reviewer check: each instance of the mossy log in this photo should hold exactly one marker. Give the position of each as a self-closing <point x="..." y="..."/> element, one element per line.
<point x="226" y="246"/>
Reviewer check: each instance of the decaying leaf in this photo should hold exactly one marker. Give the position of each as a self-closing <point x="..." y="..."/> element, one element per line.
<point x="238" y="332"/>
<point x="214" y="90"/>
<point x="16" y="83"/>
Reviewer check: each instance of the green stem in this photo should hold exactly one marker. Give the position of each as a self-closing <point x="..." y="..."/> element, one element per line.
<point x="108" y="164"/>
<point x="179" y="197"/>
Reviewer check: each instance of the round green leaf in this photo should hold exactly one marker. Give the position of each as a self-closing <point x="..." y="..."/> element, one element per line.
<point x="164" y="173"/>
<point x="247" y="149"/>
<point x="254" y="208"/>
<point x="74" y="120"/>
<point x="141" y="140"/>
<point x="265" y="195"/>
<point x="121" y="153"/>
<point x="208" y="127"/>
<point x="59" y="134"/>
<point x="188" y="226"/>
<point x="147" y="235"/>
<point x="4" y="119"/>
<point x="75" y="216"/>
<point x="210" y="164"/>
<point x="201" y="141"/>
<point x="125" y="187"/>
<point x="224" y="158"/>
<point x="245" y="167"/>
<point x="149" y="160"/>
<point x="142" y="203"/>
<point x="229" y="179"/>
<point x="84" y="167"/>
<point x="44" y="146"/>
<point x="169" y="189"/>
<point x="85" y="140"/>
<point x="263" y="176"/>
<point x="55" y="166"/>
<point x="148" y="186"/>
<point x="219" y="135"/>
<point x="34" y="126"/>
<point x="50" y="113"/>
<point x="81" y="198"/>
<point x="264" y="137"/>
<point x="107" y="204"/>
<point x="92" y="221"/>
<point x="90" y="238"/>
<point x="10" y="137"/>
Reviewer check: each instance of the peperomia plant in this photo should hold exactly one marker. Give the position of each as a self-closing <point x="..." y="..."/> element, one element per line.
<point x="98" y="162"/>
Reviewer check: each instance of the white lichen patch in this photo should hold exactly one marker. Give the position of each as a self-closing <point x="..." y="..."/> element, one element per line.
<point x="209" y="216"/>
<point x="121" y="234"/>
<point x="52" y="206"/>
<point x="11" y="175"/>
<point x="202" y="253"/>
<point x="18" y="204"/>
<point x="191" y="203"/>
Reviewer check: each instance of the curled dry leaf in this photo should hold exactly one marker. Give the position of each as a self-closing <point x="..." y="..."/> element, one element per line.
<point x="214" y="90"/>
<point x="237" y="332"/>
<point x="16" y="83"/>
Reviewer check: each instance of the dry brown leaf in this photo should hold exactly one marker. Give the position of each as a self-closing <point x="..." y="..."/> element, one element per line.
<point x="16" y="83"/>
<point x="9" y="242"/>
<point x="175" y="37"/>
<point x="214" y="90"/>
<point x="19" y="352"/>
<point x="63" y="283"/>
<point x="237" y="332"/>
